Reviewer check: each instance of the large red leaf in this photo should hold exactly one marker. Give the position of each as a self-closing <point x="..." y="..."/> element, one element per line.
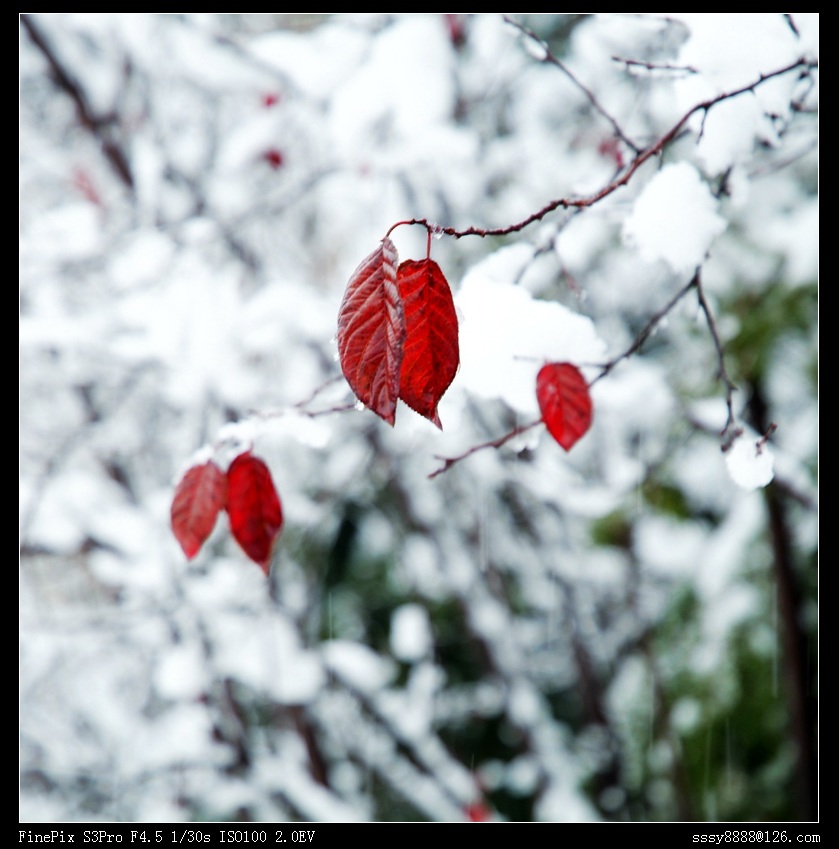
<point x="565" y="402"/>
<point x="253" y="505"/>
<point x="371" y="332"/>
<point x="199" y="496"/>
<point x="432" y="354"/>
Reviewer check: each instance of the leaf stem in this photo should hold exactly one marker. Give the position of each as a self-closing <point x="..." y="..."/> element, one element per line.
<point x="401" y="223"/>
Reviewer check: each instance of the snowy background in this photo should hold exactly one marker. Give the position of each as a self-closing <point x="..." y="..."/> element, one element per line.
<point x="623" y="632"/>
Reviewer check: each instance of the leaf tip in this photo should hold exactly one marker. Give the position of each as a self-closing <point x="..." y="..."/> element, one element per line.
<point x="434" y="418"/>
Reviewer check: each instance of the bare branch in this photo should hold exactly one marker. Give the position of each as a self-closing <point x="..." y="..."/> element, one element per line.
<point x="448" y="462"/>
<point x="722" y="373"/>
<point x="649" y="327"/>
<point x="654" y="149"/>
<point x="96" y="124"/>
<point x="730" y="429"/>
<point x="551" y="59"/>
<point x="655" y="66"/>
<point x="791" y="24"/>
<point x="303" y="405"/>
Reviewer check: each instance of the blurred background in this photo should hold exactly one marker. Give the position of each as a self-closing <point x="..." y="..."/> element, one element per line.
<point x="627" y="631"/>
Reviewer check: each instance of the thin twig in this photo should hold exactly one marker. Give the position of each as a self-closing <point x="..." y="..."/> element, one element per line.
<point x="263" y="415"/>
<point x="694" y="283"/>
<point x="580" y="203"/>
<point x="448" y="462"/>
<point x="553" y="60"/>
<point x="97" y="125"/>
<point x="655" y="66"/>
<point x="646" y="154"/>
<point x="648" y="328"/>
<point x="328" y="411"/>
<point x="330" y="381"/>
<point x="791" y="24"/>
<point x="722" y="372"/>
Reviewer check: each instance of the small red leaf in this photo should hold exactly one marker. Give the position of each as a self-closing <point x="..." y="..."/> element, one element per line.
<point x="253" y="505"/>
<point x="478" y="812"/>
<point x="199" y="496"/>
<point x="273" y="157"/>
<point x="431" y="353"/>
<point x="565" y="402"/>
<point x="371" y="332"/>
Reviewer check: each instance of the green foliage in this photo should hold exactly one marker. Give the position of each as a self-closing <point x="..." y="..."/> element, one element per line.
<point x="766" y="318"/>
<point x="738" y="757"/>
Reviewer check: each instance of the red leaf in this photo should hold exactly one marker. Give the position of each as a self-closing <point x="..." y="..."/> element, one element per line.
<point x="199" y="496"/>
<point x="431" y="353"/>
<point x="371" y="332"/>
<point x="477" y="812"/>
<point x="253" y="505"/>
<point x="273" y="157"/>
<point x="457" y="32"/>
<point x="565" y="402"/>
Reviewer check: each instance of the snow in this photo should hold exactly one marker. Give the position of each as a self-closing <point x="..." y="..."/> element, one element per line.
<point x="750" y="462"/>
<point x="141" y="259"/>
<point x="506" y="335"/>
<point x="181" y="674"/>
<point x="410" y="634"/>
<point x="191" y="316"/>
<point x="358" y="665"/>
<point x="674" y="219"/>
<point x="795" y="235"/>
<point x="560" y="804"/>
<point x="728" y="56"/>
<point x="269" y="659"/>
<point x="668" y="546"/>
<point x="299" y="56"/>
<point x="728" y="135"/>
<point x="409" y="70"/>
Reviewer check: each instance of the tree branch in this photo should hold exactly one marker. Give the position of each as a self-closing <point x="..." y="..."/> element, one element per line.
<point x="798" y="676"/>
<point x="655" y="66"/>
<point x="653" y="150"/>
<point x="728" y="431"/>
<point x="551" y="59"/>
<point x="96" y="124"/>
<point x="648" y="329"/>
<point x="448" y="462"/>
